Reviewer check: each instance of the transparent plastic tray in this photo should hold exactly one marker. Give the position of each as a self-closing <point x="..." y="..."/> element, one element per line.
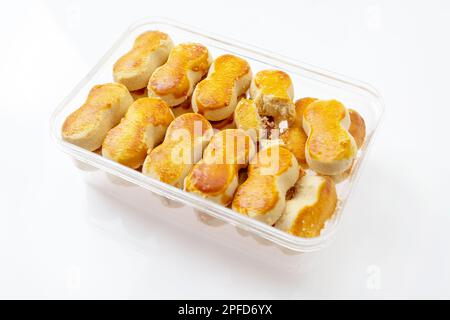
<point x="309" y="81"/>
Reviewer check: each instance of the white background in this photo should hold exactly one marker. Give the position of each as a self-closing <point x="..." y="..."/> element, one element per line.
<point x="398" y="223"/>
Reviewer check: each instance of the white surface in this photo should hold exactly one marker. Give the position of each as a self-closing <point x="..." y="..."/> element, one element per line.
<point x="394" y="240"/>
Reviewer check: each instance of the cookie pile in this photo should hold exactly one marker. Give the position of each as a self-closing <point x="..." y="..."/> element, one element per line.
<point x="212" y="128"/>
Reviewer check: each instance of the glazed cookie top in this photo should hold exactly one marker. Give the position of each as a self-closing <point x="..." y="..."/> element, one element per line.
<point x="326" y="123"/>
<point x="128" y="142"/>
<point x="230" y="146"/>
<point x="300" y="106"/>
<point x="214" y="175"/>
<point x="172" y="78"/>
<point x="182" y="147"/>
<point x="100" y="100"/>
<point x="273" y="83"/>
<point x="274" y="160"/>
<point x="193" y="124"/>
<point x="270" y="174"/>
<point x="216" y="90"/>
<point x="144" y="44"/>
<point x="247" y="117"/>
<point x="313" y="204"/>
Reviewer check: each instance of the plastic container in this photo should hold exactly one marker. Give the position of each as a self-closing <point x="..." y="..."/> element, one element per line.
<point x="208" y="218"/>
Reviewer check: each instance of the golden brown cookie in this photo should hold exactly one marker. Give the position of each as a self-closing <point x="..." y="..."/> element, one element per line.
<point x="142" y="128"/>
<point x="174" y="81"/>
<point x="150" y="50"/>
<point x="105" y="105"/>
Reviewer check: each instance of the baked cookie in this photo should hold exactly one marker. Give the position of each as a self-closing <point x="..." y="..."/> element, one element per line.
<point x="105" y="105"/>
<point x="271" y="173"/>
<point x="185" y="139"/>
<point x="150" y="50"/>
<point x="313" y="204"/>
<point x="273" y="92"/>
<point x="216" y="96"/>
<point x="330" y="148"/>
<point x="247" y="118"/>
<point x="142" y="128"/>
<point x="175" y="80"/>
<point x="294" y="137"/>
<point x="215" y="177"/>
